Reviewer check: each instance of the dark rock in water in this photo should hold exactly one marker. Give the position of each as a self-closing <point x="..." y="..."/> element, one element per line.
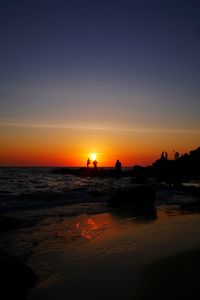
<point x="8" y="223"/>
<point x="16" y="278"/>
<point x="139" y="198"/>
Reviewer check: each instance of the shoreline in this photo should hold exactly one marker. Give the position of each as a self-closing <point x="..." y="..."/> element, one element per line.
<point x="119" y="234"/>
<point x="66" y="233"/>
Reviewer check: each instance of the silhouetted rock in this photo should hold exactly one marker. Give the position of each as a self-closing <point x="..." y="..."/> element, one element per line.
<point x="16" y="278"/>
<point x="182" y="169"/>
<point x="144" y="172"/>
<point x="139" y="198"/>
<point x="9" y="223"/>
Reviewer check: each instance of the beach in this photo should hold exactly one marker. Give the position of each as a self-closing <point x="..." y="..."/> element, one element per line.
<point x="99" y="150"/>
<point x="110" y="263"/>
<point x="175" y="277"/>
<point x="82" y="249"/>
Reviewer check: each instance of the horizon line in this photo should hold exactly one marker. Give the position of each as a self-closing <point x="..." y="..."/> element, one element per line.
<point x="28" y="166"/>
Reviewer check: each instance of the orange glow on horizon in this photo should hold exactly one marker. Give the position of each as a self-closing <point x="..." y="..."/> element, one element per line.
<point x="26" y="157"/>
<point x="53" y="147"/>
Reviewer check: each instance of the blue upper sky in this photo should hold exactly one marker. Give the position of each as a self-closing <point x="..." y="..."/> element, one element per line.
<point x="131" y="64"/>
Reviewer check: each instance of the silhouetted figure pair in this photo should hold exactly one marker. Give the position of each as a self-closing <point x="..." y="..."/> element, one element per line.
<point x="164" y="156"/>
<point x="118" y="166"/>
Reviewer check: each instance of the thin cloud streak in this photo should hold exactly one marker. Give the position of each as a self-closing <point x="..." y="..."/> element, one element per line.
<point x="99" y="128"/>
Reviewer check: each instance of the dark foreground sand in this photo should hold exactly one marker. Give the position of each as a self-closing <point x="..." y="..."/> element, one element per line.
<point x="175" y="277"/>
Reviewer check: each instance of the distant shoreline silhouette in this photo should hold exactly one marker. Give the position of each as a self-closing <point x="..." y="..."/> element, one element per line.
<point x="182" y="168"/>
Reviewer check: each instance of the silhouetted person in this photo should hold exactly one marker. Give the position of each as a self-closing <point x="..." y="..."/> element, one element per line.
<point x="166" y="155"/>
<point x="88" y="163"/>
<point x="95" y="163"/>
<point x="176" y="155"/>
<point x="118" y="166"/>
<point x="162" y="157"/>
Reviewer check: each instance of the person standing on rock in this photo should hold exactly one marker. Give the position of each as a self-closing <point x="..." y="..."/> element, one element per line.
<point x="166" y="156"/>
<point x="176" y="155"/>
<point x="95" y="163"/>
<point x="118" y="166"/>
<point x="162" y="157"/>
<point x="88" y="163"/>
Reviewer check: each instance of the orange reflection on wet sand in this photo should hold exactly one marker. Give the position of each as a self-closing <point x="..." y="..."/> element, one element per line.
<point x="83" y="226"/>
<point x="90" y="228"/>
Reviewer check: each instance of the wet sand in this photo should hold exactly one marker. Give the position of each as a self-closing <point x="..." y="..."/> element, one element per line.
<point x="104" y="256"/>
<point x="174" y="277"/>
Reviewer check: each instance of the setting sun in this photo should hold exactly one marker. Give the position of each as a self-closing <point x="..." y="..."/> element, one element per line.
<point x="93" y="156"/>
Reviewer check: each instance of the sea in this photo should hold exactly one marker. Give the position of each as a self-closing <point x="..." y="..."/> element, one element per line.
<point x="78" y="246"/>
<point x="22" y="189"/>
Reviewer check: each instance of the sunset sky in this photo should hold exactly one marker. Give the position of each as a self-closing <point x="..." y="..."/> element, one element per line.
<point x="117" y="78"/>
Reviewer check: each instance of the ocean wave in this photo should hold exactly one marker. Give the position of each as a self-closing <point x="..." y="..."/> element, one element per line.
<point x="27" y="188"/>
